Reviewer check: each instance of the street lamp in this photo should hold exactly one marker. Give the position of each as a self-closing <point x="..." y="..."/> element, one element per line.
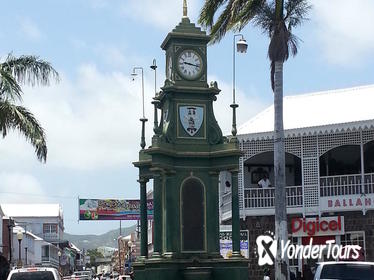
<point x="19" y="237"/>
<point x="155" y="101"/>
<point x="241" y="47"/>
<point x="143" y="119"/>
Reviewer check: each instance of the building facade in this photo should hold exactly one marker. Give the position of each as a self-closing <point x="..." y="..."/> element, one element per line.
<point x="42" y="228"/>
<point x="329" y="143"/>
<point x="43" y="220"/>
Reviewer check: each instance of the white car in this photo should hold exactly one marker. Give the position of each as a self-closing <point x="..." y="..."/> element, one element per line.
<point x="34" y="273"/>
<point x="82" y="275"/>
<point x="344" y="270"/>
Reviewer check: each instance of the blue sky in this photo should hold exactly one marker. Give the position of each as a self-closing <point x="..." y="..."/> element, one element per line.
<point x="91" y="116"/>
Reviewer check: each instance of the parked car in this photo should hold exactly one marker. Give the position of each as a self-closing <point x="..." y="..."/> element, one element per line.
<point x="82" y="275"/>
<point x="34" y="273"/>
<point x="345" y="271"/>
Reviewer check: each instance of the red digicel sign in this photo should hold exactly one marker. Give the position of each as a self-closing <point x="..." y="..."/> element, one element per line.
<point x="317" y="226"/>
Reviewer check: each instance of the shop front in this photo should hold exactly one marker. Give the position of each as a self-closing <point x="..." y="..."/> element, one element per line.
<point x="321" y="231"/>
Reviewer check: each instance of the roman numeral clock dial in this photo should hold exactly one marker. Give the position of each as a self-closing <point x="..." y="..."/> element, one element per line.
<point x="190" y="64"/>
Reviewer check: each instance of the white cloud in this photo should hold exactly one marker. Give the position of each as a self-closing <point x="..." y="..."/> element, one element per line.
<point x="111" y="55"/>
<point x="249" y="105"/>
<point x="91" y="123"/>
<point x="20" y="188"/>
<point x="163" y="14"/>
<point x="345" y="29"/>
<point x="30" y="29"/>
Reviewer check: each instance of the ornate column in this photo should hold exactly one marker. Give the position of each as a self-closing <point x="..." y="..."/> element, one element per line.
<point x="172" y="230"/>
<point x="235" y="218"/>
<point x="157" y="215"/>
<point x="143" y="218"/>
<point x="213" y="206"/>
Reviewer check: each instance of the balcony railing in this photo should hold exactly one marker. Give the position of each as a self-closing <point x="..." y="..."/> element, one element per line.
<point x="264" y="198"/>
<point x="346" y="185"/>
<point x="50" y="236"/>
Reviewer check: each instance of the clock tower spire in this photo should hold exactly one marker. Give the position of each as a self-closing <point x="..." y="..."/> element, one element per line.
<point x="185" y="8"/>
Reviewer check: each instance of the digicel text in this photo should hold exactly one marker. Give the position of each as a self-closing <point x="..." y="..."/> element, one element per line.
<point x="312" y="226"/>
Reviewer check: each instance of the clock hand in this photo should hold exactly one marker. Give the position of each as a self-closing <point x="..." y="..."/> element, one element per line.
<point x="198" y="66"/>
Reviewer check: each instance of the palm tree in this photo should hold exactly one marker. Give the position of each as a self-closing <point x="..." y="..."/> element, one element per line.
<point x="26" y="70"/>
<point x="277" y="19"/>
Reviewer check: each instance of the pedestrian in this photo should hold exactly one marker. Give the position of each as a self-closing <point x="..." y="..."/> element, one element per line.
<point x="264" y="182"/>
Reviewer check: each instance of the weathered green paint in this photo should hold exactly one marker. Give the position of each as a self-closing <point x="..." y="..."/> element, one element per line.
<point x="175" y="156"/>
<point x="157" y="215"/>
<point x="143" y="218"/>
<point x="235" y="214"/>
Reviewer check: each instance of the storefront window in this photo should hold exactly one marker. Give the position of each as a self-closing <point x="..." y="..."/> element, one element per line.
<point x="354" y="238"/>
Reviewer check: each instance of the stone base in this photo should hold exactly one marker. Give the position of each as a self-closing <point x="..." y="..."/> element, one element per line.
<point x="186" y="269"/>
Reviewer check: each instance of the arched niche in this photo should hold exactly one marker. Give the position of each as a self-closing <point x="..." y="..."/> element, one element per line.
<point x="193" y="215"/>
<point x="263" y="163"/>
<point x="341" y="160"/>
<point x="369" y="157"/>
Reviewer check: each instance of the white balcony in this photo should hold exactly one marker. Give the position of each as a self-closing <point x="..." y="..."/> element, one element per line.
<point x="261" y="201"/>
<point x="347" y="185"/>
<point x="347" y="192"/>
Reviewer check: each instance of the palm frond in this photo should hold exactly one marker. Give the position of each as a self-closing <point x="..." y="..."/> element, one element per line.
<point x="235" y="15"/>
<point x="265" y="18"/>
<point x="278" y="47"/>
<point x="293" y="43"/>
<point x="296" y="11"/>
<point x="208" y="11"/>
<point x="19" y="118"/>
<point x="9" y="88"/>
<point x="222" y="25"/>
<point x="249" y="11"/>
<point x="30" y="70"/>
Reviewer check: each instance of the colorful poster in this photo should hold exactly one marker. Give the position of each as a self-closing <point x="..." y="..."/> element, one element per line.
<point x="112" y="209"/>
<point x="225" y="242"/>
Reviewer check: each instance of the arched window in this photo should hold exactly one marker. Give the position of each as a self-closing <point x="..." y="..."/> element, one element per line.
<point x="341" y="160"/>
<point x="369" y="157"/>
<point x="193" y="215"/>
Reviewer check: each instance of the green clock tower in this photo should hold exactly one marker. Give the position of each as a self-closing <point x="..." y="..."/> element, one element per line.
<point x="187" y="153"/>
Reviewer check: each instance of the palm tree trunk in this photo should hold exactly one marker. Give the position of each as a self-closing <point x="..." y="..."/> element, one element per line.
<point x="281" y="234"/>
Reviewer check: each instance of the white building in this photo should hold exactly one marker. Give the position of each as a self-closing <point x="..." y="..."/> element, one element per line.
<point x="43" y="220"/>
<point x="329" y="143"/>
<point x="42" y="225"/>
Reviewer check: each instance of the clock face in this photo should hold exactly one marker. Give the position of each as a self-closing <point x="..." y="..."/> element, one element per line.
<point x="190" y="64"/>
<point x="169" y="68"/>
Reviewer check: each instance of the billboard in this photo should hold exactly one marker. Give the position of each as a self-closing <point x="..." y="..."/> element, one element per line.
<point x="111" y="209"/>
<point x="225" y="243"/>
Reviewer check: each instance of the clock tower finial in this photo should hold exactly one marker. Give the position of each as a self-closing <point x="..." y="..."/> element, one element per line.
<point x="185" y="8"/>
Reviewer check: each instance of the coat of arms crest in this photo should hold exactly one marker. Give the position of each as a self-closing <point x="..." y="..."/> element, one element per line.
<point x="191" y="118"/>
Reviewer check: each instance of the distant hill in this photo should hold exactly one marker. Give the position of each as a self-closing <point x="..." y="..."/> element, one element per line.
<point x="92" y="241"/>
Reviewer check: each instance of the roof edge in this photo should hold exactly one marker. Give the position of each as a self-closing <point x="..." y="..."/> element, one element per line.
<point x="313" y="130"/>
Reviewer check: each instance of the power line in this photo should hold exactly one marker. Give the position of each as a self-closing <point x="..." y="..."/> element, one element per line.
<point x="41" y="195"/>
